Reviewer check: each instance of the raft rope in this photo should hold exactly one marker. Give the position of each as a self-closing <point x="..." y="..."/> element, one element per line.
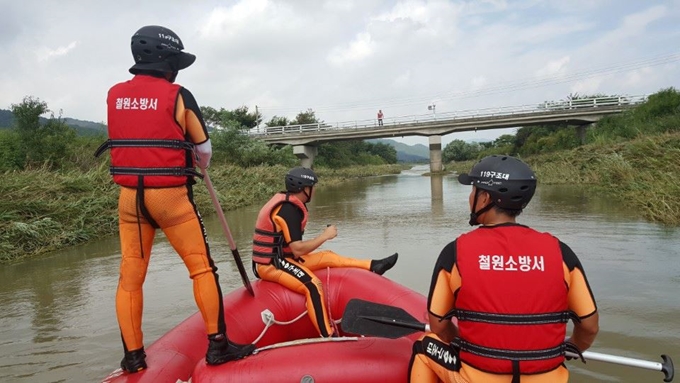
<point x="307" y="341"/>
<point x="269" y="320"/>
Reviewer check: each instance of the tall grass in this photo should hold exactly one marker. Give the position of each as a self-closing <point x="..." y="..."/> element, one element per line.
<point x="642" y="174"/>
<point x="43" y="210"/>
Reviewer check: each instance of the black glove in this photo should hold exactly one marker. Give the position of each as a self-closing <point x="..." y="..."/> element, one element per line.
<point x="572" y="349"/>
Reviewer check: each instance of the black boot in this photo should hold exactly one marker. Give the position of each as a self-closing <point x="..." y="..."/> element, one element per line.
<point x="380" y="266"/>
<point x="222" y="350"/>
<point x="134" y="361"/>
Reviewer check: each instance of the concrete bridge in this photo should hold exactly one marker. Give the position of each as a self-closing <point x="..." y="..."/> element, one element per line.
<point x="581" y="112"/>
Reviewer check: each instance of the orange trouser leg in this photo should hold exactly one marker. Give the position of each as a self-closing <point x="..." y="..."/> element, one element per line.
<point x="440" y="366"/>
<point x="326" y="258"/>
<point x="473" y="375"/>
<point x="187" y="239"/>
<point x="175" y="213"/>
<point x="129" y="297"/>
<point x="300" y="279"/>
<point x="420" y="371"/>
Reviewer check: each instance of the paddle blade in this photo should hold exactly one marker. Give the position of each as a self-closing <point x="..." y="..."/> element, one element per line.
<point x="374" y="319"/>
<point x="242" y="271"/>
<point x="227" y="232"/>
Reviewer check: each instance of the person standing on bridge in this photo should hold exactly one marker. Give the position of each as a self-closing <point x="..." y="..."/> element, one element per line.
<point x="512" y="290"/>
<point x="280" y="254"/>
<point x="155" y="131"/>
<point x="380" y="117"/>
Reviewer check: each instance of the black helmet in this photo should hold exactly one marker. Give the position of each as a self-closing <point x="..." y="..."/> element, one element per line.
<point x="158" y="49"/>
<point x="299" y="178"/>
<point x="509" y="181"/>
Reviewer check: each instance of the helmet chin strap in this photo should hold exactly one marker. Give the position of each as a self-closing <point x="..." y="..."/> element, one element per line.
<point x="475" y="214"/>
<point x="172" y="77"/>
<point x="309" y="196"/>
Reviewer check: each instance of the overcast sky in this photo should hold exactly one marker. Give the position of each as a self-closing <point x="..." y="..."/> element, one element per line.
<point x="346" y="59"/>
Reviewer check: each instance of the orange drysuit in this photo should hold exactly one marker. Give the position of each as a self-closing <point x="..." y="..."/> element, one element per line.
<point x="153" y="125"/>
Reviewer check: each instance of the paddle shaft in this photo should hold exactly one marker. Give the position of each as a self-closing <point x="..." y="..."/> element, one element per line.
<point x="666" y="367"/>
<point x="227" y="232"/>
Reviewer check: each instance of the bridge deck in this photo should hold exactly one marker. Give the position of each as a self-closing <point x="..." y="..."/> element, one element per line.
<point x="574" y="112"/>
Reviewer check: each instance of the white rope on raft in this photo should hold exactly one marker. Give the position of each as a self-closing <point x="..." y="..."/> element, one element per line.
<point x="306" y="341"/>
<point x="269" y="320"/>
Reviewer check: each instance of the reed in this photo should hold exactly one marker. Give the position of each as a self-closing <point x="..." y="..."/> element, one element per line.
<point x="44" y="210"/>
<point x="642" y="174"/>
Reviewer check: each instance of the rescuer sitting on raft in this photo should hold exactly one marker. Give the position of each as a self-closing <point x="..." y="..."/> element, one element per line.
<point x="512" y="289"/>
<point x="281" y="255"/>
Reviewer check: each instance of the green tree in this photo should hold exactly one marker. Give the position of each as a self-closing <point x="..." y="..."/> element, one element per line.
<point x="12" y="156"/>
<point x="384" y="151"/>
<point x="27" y="120"/>
<point x="278" y="121"/>
<point x="459" y="150"/>
<point x="49" y="143"/>
<point x="231" y="143"/>
<point x="245" y="119"/>
<point x="354" y="152"/>
<point x="213" y="117"/>
<point x="238" y="118"/>
<point x="306" y="117"/>
<point x="334" y="155"/>
<point x="504" y="140"/>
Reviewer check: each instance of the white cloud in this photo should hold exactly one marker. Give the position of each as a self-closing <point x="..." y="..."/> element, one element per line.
<point x="416" y="11"/>
<point x="638" y="21"/>
<point x="227" y="22"/>
<point x="403" y="80"/>
<point x="554" y="67"/>
<point x="631" y="28"/>
<point x="357" y="50"/>
<point x="45" y="54"/>
<point x="344" y="5"/>
<point x="478" y="82"/>
<point x="346" y="59"/>
<point x="576" y="6"/>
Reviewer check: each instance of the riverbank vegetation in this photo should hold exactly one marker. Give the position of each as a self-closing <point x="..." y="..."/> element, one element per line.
<point x="634" y="157"/>
<point x="56" y="194"/>
<point x="45" y="210"/>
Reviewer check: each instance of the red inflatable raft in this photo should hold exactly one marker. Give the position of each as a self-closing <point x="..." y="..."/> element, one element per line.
<point x="289" y="348"/>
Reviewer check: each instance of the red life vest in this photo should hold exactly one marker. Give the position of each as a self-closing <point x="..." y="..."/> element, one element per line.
<point x="512" y="306"/>
<point x="148" y="147"/>
<point x="267" y="242"/>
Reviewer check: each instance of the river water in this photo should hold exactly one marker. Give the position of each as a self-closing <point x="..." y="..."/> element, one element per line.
<point x="57" y="316"/>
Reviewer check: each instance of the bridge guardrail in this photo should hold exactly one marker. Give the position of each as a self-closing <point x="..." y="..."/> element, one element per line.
<point x="498" y="112"/>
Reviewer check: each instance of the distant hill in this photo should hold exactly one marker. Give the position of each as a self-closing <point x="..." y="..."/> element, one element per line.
<point x="406" y="153"/>
<point x="84" y="128"/>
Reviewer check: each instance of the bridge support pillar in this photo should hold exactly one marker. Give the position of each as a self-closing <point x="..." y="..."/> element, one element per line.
<point x="306" y="154"/>
<point x="581" y="133"/>
<point x="435" y="154"/>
